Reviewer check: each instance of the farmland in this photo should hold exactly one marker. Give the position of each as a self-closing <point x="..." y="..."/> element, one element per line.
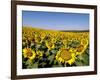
<point x="52" y="48"/>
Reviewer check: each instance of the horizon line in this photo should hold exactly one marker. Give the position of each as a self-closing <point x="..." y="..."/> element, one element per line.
<point x="84" y="30"/>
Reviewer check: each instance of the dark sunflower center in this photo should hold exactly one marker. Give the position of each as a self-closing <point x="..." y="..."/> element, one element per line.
<point x="65" y="55"/>
<point x="80" y="48"/>
<point x="50" y="44"/>
<point x="29" y="54"/>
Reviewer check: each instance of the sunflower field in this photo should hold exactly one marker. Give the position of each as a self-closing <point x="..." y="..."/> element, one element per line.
<point x="51" y="48"/>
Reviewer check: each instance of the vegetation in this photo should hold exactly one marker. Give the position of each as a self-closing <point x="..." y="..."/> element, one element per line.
<point x="49" y="48"/>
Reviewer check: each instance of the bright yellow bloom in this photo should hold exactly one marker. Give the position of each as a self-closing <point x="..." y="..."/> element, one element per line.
<point x="65" y="57"/>
<point x="37" y="39"/>
<point x="72" y="60"/>
<point x="50" y="45"/>
<point x="84" y="42"/>
<point x="64" y="43"/>
<point x="72" y="50"/>
<point x="42" y="35"/>
<point x="29" y="53"/>
<point x="81" y="49"/>
<point x="53" y="40"/>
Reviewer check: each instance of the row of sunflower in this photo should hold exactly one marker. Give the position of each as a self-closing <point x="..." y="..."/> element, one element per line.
<point x="48" y="48"/>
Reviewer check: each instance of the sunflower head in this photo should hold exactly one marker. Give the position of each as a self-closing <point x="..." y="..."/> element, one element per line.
<point x="50" y="45"/>
<point x="39" y="53"/>
<point x="29" y="53"/>
<point x="72" y="50"/>
<point x="37" y="38"/>
<point x="42" y="35"/>
<point x="65" y="56"/>
<point x="84" y="41"/>
<point x="81" y="49"/>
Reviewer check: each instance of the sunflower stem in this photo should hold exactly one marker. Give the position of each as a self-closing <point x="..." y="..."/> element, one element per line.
<point x="65" y="64"/>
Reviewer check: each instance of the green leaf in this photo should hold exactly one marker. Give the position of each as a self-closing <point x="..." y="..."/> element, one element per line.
<point x="33" y="65"/>
<point x="82" y="60"/>
<point x="43" y="64"/>
<point x="27" y="62"/>
<point x="86" y="59"/>
<point x="60" y="65"/>
<point x="55" y="66"/>
<point x="55" y="62"/>
<point x="74" y="43"/>
<point x="33" y="45"/>
<point x="38" y="46"/>
<point x="54" y="51"/>
<point x="79" y="63"/>
<point x="51" y="58"/>
<point x="87" y="51"/>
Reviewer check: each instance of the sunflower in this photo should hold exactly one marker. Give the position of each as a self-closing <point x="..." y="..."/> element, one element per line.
<point x="64" y="56"/>
<point x="64" y="43"/>
<point x="42" y="35"/>
<point x="72" y="50"/>
<point x="50" y="45"/>
<point x="84" y="42"/>
<point x="37" y="38"/>
<point x="81" y="49"/>
<point x="29" y="53"/>
<point x="39" y="53"/>
<point x="54" y="40"/>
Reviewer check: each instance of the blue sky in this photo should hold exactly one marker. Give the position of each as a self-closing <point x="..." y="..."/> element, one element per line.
<point x="56" y="20"/>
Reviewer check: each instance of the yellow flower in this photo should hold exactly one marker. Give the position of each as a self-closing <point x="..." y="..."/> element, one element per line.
<point x="72" y="60"/>
<point x="84" y="42"/>
<point x="65" y="57"/>
<point x="29" y="53"/>
<point x="72" y="50"/>
<point x="81" y="49"/>
<point x="42" y="35"/>
<point x="65" y="43"/>
<point x="54" y="40"/>
<point x="50" y="45"/>
<point x="39" y="53"/>
<point x="37" y="38"/>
